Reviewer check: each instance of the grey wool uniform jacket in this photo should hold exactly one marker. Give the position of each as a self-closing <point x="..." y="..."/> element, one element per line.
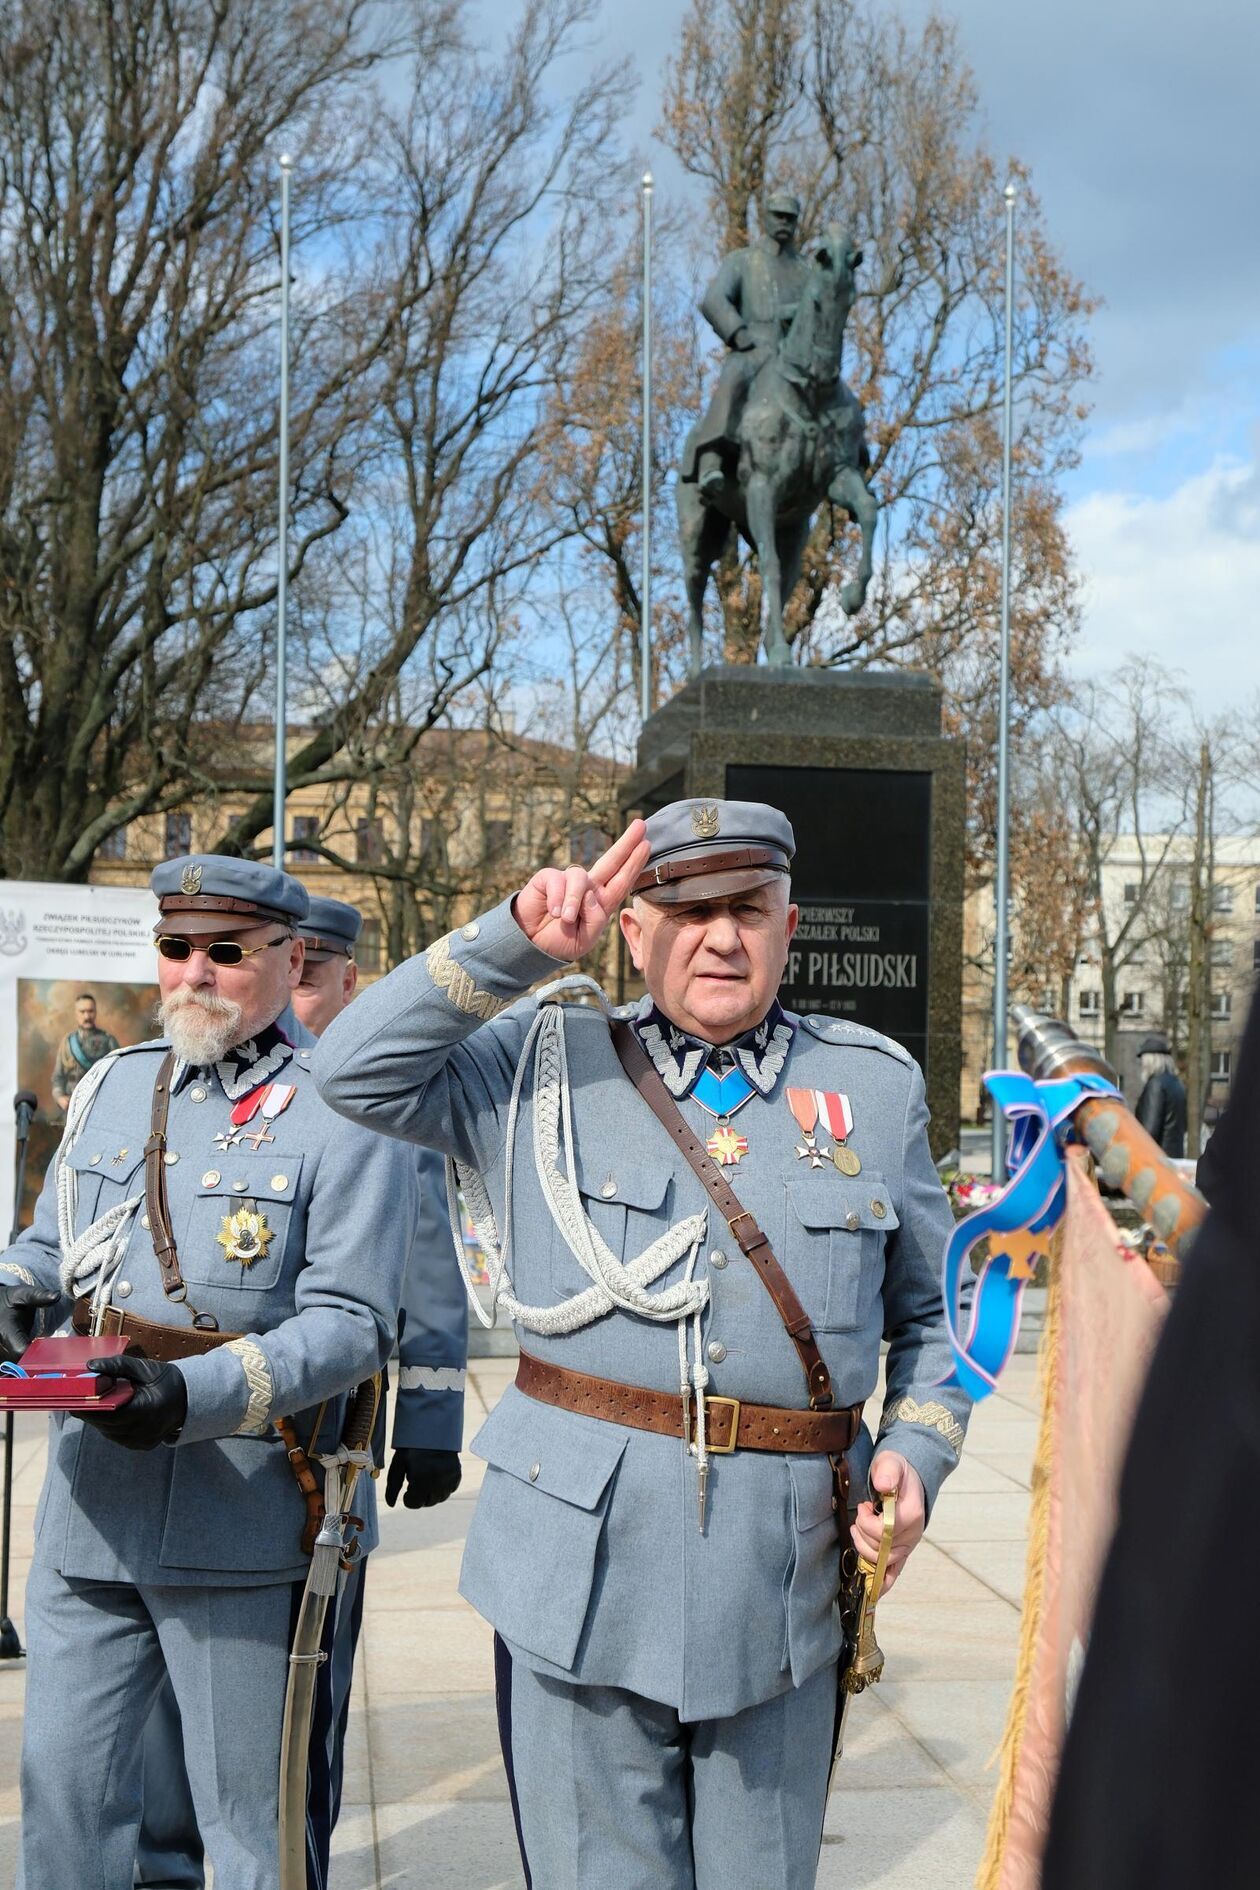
<point x="585" y="1550"/>
<point x="318" y="1310"/>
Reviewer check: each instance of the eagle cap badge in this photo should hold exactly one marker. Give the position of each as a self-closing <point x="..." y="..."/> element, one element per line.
<point x="190" y="880"/>
<point x="705" y="820"/>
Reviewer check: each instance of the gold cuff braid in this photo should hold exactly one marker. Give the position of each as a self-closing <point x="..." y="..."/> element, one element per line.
<point x="10" y="1266"/>
<point x="459" y="987"/>
<point x="934" y="1416"/>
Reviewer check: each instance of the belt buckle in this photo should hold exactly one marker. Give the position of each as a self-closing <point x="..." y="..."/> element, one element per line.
<point x="718" y="1450"/>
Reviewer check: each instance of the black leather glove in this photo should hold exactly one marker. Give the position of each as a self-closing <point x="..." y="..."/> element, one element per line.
<point x="430" y="1476"/>
<point x="155" y="1410"/>
<point x="18" y="1307"/>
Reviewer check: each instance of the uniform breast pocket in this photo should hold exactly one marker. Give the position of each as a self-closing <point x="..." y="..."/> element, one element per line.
<point x="834" y="1249"/>
<point x="108" y="1168"/>
<point x="624" y="1206"/>
<point x="238" y="1227"/>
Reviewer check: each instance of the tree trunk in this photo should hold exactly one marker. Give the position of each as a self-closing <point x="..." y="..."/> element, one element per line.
<point x="1199" y="975"/>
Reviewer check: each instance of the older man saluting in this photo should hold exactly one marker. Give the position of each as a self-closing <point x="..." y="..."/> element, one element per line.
<point x="702" y="1216"/>
<point x="255" y="1260"/>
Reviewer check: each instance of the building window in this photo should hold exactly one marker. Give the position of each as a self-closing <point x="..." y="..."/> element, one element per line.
<point x="585" y="845"/>
<point x="113" y="846"/>
<point x="1222" y="952"/>
<point x="1131" y="891"/>
<point x="368" y="949"/>
<point x="1258" y="902"/>
<point x="305" y="829"/>
<point x="178" y="837"/>
<point x="1255" y="954"/>
<point x="1220" y="1066"/>
<point x="1223" y="898"/>
<point x="1179" y="894"/>
<point x="369" y="841"/>
<point x="1222" y="1007"/>
<point x="498" y="838"/>
<point x="1089" y="1004"/>
<point x="1132" y="1004"/>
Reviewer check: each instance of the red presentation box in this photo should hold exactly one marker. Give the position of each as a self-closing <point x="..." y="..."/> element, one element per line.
<point x="57" y="1380"/>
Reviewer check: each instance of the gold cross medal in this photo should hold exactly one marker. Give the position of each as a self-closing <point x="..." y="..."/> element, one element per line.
<point x="721" y="1096"/>
<point x="245" y="1236"/>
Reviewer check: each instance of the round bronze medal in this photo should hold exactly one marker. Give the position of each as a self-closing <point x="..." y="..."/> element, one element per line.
<point x="846" y="1159"/>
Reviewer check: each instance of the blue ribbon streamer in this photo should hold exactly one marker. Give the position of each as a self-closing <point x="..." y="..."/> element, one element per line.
<point x="1033" y="1198"/>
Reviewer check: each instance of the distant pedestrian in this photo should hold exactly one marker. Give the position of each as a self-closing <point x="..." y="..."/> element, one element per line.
<point x="1161" y="1107"/>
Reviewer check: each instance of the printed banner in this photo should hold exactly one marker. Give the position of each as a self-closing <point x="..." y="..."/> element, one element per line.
<point x="77" y="979"/>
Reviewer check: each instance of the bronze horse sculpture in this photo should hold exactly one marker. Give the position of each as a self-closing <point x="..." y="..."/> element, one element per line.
<point x="801" y="438"/>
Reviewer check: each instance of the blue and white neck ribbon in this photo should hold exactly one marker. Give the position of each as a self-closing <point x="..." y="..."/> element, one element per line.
<point x="1033" y="1199"/>
<point x="722" y="1095"/>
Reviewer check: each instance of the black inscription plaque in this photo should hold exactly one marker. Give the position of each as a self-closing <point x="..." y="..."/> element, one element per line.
<point x="861" y="878"/>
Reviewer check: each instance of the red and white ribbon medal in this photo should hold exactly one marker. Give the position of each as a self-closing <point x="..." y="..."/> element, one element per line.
<point x="837" y="1112"/>
<point x="804" y="1106"/>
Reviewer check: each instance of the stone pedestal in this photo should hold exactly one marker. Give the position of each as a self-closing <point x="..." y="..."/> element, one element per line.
<point x="875" y="794"/>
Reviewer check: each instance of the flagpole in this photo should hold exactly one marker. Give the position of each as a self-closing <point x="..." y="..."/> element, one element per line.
<point x="1002" y="879"/>
<point x="645" y="582"/>
<point x="280" y="789"/>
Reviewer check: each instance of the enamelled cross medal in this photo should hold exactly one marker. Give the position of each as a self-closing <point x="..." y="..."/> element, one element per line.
<point x="269" y="1101"/>
<point x="824" y="1111"/>
<point x="721" y="1096"/>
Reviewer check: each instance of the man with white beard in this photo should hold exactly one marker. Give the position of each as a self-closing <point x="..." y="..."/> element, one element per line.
<point x="206" y="1204"/>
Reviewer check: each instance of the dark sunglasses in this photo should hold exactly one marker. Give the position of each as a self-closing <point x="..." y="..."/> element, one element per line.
<point x="220" y="951"/>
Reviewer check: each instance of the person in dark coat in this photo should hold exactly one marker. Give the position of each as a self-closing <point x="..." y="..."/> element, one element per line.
<point x="1161" y="1107"/>
<point x="1157" y="1785"/>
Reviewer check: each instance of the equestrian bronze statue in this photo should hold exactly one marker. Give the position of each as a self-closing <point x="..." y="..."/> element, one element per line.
<point x="783" y="432"/>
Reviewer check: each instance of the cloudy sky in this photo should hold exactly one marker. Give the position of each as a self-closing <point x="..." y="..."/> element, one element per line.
<point x="1139" y="120"/>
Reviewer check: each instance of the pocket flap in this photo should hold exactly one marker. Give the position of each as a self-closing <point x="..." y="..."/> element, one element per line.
<point x="624" y="1184"/>
<point x="824" y="1202"/>
<point x="813" y="1491"/>
<point x="274" y="1180"/>
<point x="115" y="1155"/>
<point x="555" y="1451"/>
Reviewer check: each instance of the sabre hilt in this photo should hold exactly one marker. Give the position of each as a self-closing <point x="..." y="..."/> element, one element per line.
<point x="867" y="1665"/>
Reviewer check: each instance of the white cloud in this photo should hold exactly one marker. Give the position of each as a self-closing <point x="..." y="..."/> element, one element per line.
<point x="1176" y="578"/>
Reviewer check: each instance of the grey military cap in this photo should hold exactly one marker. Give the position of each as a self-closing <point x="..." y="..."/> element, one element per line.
<point x="210" y="892"/>
<point x="785" y="201"/>
<point x="710" y="849"/>
<point x="330" y="928"/>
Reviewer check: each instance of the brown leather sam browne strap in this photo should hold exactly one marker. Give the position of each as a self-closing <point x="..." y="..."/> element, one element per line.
<point x="731" y="1423"/>
<point x="749" y="1237"/>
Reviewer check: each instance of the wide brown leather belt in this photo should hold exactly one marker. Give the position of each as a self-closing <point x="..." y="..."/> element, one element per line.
<point x="730" y="1423"/>
<point x="154" y="1340"/>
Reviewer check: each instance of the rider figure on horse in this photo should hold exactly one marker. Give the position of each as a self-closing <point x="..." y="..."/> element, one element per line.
<point x="750" y="304"/>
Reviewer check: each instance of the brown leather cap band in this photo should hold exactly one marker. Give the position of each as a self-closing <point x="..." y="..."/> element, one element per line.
<point x="220" y="902"/>
<point x="730" y="1423"/>
<point x="700" y="865"/>
<point x="330" y="947"/>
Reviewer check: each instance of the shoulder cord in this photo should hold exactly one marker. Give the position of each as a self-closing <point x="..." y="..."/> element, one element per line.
<point x="94" y="1255"/>
<point x="614" y="1284"/>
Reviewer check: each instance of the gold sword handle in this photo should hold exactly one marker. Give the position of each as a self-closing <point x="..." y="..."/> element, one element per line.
<point x="876" y="1574"/>
<point x="867" y="1663"/>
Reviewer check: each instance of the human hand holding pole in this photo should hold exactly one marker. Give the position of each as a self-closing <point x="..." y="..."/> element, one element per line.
<point x="564" y="910"/>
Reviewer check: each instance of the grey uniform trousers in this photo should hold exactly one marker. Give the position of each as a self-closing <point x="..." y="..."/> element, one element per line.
<point x="615" y="1792"/>
<point x="102" y="1650"/>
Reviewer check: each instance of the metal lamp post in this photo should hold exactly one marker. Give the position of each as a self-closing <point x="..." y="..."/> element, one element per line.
<point x="1002" y="885"/>
<point x="645" y="581"/>
<point x="280" y="789"/>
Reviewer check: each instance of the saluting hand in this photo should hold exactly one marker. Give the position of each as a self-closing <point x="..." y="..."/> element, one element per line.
<point x="888" y="1472"/>
<point x="563" y="912"/>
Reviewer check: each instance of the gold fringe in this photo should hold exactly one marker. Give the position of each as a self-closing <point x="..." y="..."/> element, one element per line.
<point x="989" y="1875"/>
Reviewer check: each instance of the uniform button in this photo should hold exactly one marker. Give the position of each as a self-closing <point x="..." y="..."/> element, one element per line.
<point x="239" y="1187"/>
<point x="122" y="1289"/>
<point x="170" y="1158"/>
<point x="878" y="1210"/>
<point x="144" y="1222"/>
<point x="715" y="1351"/>
<point x="717" y="1258"/>
<point x="609" y="1189"/>
<point x="535" y="1470"/>
<point x="470" y="931"/>
<point x="92" y="1160"/>
<point x="305" y="1055"/>
<point x="211" y="1178"/>
<point x="198" y="1094"/>
<point x="279" y="1183"/>
<point x="853" y="1220"/>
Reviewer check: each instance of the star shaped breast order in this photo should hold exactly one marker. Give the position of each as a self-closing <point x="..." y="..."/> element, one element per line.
<point x="245" y="1236"/>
